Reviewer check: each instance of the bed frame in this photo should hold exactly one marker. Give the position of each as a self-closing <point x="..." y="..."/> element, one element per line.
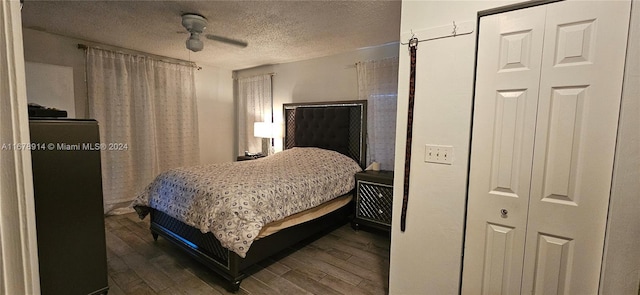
<point x="339" y="126"/>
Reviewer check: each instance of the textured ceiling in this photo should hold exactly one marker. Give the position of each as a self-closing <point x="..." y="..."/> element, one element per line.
<point x="277" y="31"/>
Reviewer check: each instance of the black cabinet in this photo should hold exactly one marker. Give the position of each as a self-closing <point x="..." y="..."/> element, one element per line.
<point x="67" y="187"/>
<point x="374" y="199"/>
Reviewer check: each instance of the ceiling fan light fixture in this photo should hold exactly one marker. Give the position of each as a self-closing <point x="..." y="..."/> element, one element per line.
<point x="195" y="24"/>
<point x="194" y="43"/>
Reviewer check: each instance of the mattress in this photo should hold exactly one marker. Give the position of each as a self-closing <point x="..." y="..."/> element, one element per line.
<point x="304" y="216"/>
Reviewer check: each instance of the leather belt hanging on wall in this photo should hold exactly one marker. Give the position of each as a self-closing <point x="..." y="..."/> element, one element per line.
<point x="413" y="48"/>
<point x="465" y="28"/>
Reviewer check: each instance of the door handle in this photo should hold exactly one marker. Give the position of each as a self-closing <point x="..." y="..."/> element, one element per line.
<point x="504" y="213"/>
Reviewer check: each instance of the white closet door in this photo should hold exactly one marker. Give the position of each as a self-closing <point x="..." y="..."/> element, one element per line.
<point x="509" y="57"/>
<point x="580" y="90"/>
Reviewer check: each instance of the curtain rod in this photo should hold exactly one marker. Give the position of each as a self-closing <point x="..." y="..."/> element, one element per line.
<point x="131" y="51"/>
<point x="235" y="77"/>
<point x="355" y="65"/>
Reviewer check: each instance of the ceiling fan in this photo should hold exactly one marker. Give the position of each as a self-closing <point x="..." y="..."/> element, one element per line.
<point x="196" y="24"/>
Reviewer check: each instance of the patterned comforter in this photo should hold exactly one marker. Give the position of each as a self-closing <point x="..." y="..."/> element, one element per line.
<point x="235" y="200"/>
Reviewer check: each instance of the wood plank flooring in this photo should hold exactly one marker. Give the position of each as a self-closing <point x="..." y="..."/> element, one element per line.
<point x="342" y="262"/>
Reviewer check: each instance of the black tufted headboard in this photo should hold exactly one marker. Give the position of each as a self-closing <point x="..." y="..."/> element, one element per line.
<point x="338" y="126"/>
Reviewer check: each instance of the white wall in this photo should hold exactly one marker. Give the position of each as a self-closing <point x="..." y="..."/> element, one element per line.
<point x="51" y="86"/>
<point x="330" y="78"/>
<point x="621" y="265"/>
<point x="214" y="88"/>
<point x="427" y="257"/>
<point x="216" y="118"/>
<point x="45" y="48"/>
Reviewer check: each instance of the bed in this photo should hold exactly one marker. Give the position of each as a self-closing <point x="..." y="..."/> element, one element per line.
<point x="333" y="129"/>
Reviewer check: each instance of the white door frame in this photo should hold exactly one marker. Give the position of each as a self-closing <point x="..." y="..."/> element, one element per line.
<point x="18" y="244"/>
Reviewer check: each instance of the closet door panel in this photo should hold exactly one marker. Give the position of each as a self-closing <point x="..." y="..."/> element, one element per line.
<point x="579" y="100"/>
<point x="509" y="57"/>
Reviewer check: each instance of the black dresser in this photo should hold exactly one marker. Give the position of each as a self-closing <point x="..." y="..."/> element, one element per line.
<point x="374" y="199"/>
<point x="69" y="211"/>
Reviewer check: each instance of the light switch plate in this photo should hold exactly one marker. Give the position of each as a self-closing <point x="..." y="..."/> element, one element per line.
<point x="440" y="154"/>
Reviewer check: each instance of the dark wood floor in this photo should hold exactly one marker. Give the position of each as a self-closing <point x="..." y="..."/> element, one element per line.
<point x="342" y="262"/>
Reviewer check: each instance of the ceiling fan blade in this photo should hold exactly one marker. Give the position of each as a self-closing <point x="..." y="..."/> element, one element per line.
<point x="234" y="42"/>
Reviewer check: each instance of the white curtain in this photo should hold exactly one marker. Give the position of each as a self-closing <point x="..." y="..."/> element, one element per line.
<point x="254" y="105"/>
<point x="148" y="105"/>
<point x="378" y="84"/>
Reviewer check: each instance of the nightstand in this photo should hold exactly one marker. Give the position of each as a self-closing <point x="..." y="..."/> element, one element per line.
<point x="247" y="158"/>
<point x="374" y="199"/>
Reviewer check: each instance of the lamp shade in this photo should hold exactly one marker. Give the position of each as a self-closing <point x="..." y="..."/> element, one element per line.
<point x="267" y="130"/>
